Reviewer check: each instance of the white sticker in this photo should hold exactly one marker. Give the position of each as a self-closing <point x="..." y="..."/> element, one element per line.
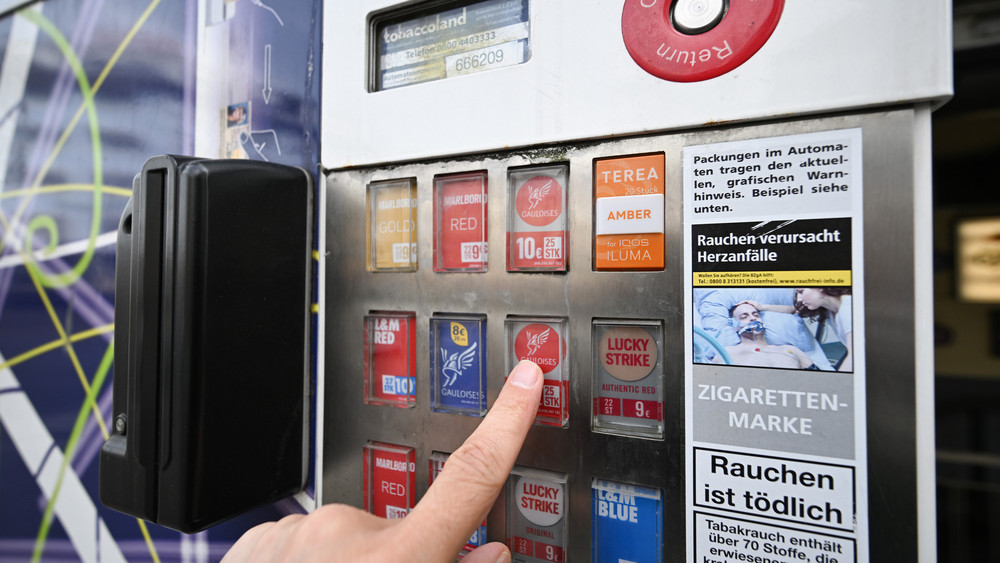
<point x="631" y="214"/>
<point x="474" y="251"/>
<point x="540" y="501"/>
<point x="496" y="56"/>
<point x="395" y="512"/>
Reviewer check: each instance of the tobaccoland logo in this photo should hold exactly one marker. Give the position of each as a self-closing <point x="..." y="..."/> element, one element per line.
<point x="456" y="364"/>
<point x="425" y="26"/>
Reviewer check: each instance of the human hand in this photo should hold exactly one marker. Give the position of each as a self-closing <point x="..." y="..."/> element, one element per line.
<point x="437" y="528"/>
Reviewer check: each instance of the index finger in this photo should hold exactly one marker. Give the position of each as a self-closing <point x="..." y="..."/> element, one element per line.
<point x="472" y="477"/>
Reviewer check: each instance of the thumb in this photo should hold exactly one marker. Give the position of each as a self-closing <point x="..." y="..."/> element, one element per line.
<point x="494" y="552"/>
<point x="472" y="478"/>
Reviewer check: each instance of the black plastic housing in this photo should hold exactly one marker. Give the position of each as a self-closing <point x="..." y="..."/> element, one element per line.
<point x="212" y="341"/>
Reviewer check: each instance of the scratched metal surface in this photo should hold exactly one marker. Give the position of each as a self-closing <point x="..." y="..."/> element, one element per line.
<point x="581" y="295"/>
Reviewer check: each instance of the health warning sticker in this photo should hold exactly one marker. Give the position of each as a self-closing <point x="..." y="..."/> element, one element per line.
<point x="628" y="378"/>
<point x="537" y="527"/>
<point x="458" y="364"/>
<point x="435" y="465"/>
<point x="629" y="213"/>
<point x="793" y="490"/>
<point x="626" y="522"/>
<point x="392" y="226"/>
<point x="537" y="237"/>
<point x="460" y="230"/>
<point x="390" y="359"/>
<point x="389" y="479"/>
<point x="543" y="341"/>
<point x="741" y="539"/>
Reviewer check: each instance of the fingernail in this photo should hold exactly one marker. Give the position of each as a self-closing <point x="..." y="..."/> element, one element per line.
<point x="504" y="558"/>
<point x="525" y="374"/>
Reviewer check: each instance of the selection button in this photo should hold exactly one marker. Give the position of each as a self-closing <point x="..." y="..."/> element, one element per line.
<point x="629" y="213"/>
<point x="628" y="378"/>
<point x="390" y="359"/>
<point x="389" y="479"/>
<point x="458" y="364"/>
<point x="537" y="509"/>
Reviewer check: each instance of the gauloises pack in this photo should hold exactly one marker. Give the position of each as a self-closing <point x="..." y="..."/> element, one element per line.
<point x="537" y="235"/>
<point x="543" y="341"/>
<point x="458" y="360"/>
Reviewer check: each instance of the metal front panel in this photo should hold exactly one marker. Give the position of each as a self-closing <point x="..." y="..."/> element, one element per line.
<point x="582" y="295"/>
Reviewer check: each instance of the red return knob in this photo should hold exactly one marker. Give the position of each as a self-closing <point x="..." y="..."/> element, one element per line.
<point x="693" y="40"/>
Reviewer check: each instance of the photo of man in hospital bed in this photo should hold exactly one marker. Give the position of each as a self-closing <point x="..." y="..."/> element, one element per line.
<point x="754" y="350"/>
<point x="730" y="329"/>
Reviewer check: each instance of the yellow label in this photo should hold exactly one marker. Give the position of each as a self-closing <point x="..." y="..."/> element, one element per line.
<point x="459" y="335"/>
<point x="795" y="278"/>
<point x="392" y="220"/>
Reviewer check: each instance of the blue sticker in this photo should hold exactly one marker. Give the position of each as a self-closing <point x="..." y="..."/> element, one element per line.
<point x="457" y="353"/>
<point x="477" y="538"/>
<point x="398" y="385"/>
<point x="627" y="523"/>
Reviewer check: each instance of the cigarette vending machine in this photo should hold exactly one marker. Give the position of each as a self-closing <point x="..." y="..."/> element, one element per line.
<point x="707" y="221"/>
